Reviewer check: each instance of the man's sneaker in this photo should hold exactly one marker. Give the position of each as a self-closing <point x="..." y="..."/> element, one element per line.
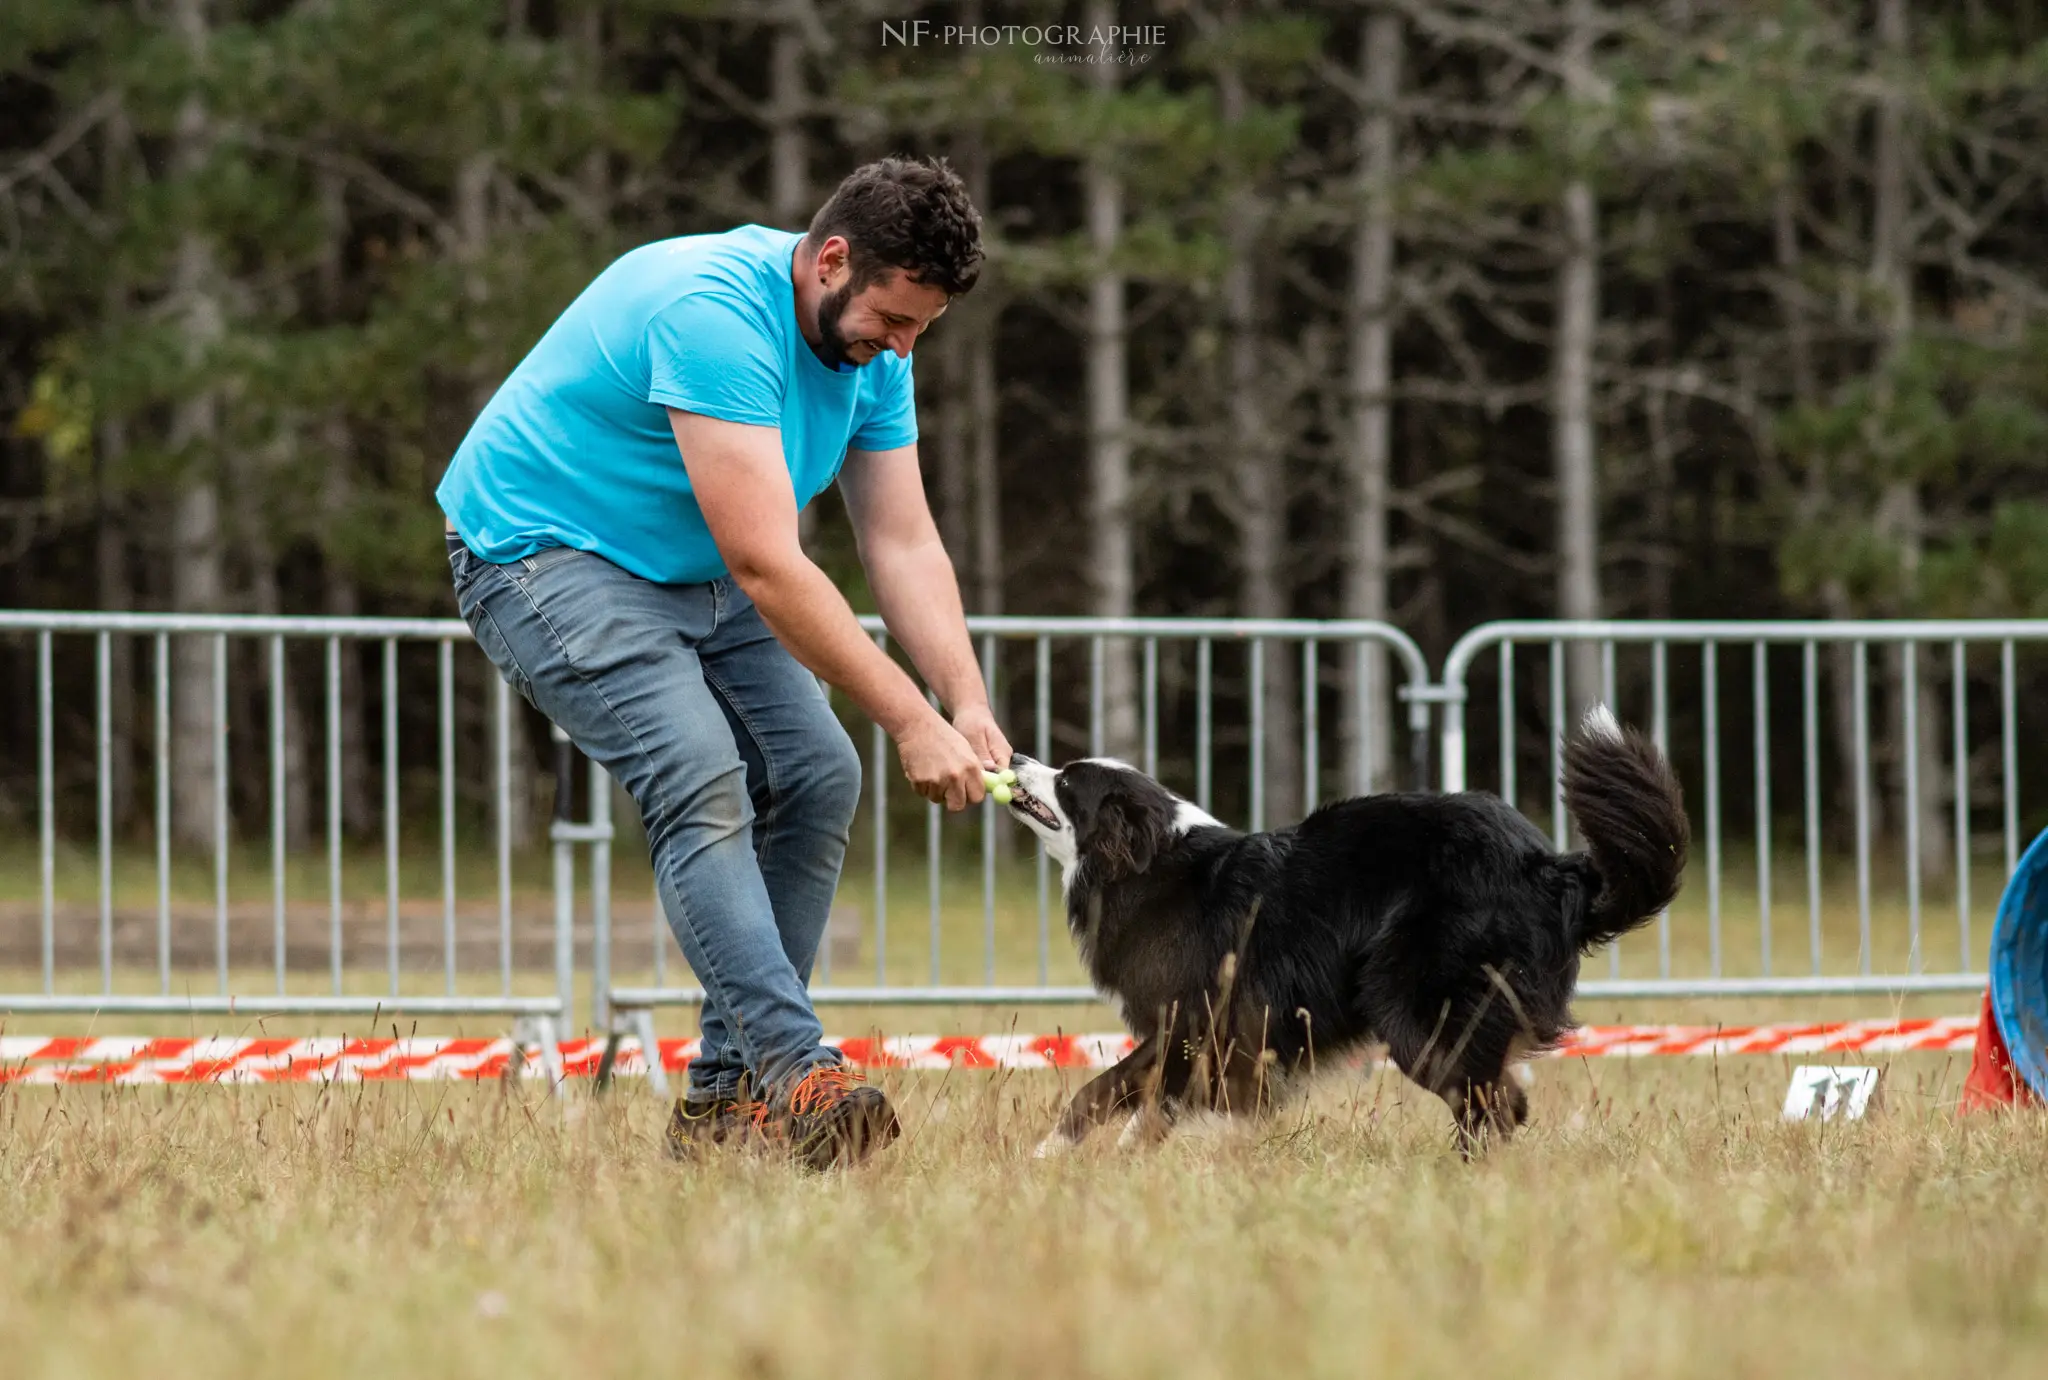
<point x="697" y="1125"/>
<point x="831" y="1117"/>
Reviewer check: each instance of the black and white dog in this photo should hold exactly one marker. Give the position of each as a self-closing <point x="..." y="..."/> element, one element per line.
<point x="1444" y="926"/>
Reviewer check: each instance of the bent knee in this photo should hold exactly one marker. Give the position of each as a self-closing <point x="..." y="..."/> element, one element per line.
<point x="824" y="785"/>
<point x="708" y="810"/>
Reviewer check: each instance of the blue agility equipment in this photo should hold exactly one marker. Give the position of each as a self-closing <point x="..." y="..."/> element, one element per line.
<point x="2019" y="966"/>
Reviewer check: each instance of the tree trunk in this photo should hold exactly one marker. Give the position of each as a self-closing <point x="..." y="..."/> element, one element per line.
<point x="951" y="457"/>
<point x="473" y="229"/>
<point x="252" y="698"/>
<point x="116" y="594"/>
<point x="1842" y="689"/>
<point x="1112" y="558"/>
<point x="1791" y="302"/>
<point x="196" y="587"/>
<point x="788" y="160"/>
<point x="1659" y="514"/>
<point x="335" y="446"/>
<point x="985" y="460"/>
<point x="472" y="223"/>
<point x="115" y="588"/>
<point x="1369" y="326"/>
<point x="1427" y="614"/>
<point x="594" y="175"/>
<point x="1260" y="481"/>
<point x="978" y="558"/>
<point x="1901" y="512"/>
<point x="339" y="600"/>
<point x="197" y="578"/>
<point x="1578" y="307"/>
<point x="976" y="351"/>
<point x="1834" y="594"/>
<point x="1660" y="557"/>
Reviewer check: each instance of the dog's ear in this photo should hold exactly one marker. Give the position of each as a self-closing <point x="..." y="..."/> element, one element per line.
<point x="1144" y="833"/>
<point x="1123" y="833"/>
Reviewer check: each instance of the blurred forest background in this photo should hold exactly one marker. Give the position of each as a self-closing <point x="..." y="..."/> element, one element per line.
<point x="1435" y="311"/>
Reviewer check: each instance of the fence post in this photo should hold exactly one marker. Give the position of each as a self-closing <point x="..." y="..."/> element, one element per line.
<point x="1453" y="768"/>
<point x="1418" y="733"/>
<point x="600" y="898"/>
<point x="565" y="876"/>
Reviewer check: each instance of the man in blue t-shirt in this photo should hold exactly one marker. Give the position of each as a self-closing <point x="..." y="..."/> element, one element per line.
<point x="622" y="525"/>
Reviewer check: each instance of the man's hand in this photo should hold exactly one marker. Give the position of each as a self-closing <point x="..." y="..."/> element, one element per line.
<point x="978" y="726"/>
<point x="941" y="764"/>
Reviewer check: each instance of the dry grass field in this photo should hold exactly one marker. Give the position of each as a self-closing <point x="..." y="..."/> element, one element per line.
<point x="1657" y="1219"/>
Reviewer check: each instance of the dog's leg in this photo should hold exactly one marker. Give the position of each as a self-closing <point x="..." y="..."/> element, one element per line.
<point x="1053" y="1146"/>
<point x="1495" y="1103"/>
<point x="1487" y="1112"/>
<point x="1254" y="1082"/>
<point x="1181" y="1078"/>
<point x="1469" y="1071"/>
<point x="1100" y="1099"/>
<point x="1489" y="1102"/>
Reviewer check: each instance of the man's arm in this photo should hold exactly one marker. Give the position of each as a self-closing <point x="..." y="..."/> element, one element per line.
<point x="915" y="586"/>
<point x="742" y="487"/>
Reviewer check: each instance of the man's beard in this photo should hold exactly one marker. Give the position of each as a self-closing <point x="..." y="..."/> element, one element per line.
<point x="833" y="344"/>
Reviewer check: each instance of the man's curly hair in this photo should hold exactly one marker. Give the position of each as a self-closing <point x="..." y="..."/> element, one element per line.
<point x="903" y="213"/>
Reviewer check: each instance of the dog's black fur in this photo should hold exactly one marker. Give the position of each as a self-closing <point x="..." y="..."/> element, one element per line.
<point x="1444" y="926"/>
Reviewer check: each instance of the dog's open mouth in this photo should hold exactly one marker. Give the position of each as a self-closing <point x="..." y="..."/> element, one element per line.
<point x="1033" y="809"/>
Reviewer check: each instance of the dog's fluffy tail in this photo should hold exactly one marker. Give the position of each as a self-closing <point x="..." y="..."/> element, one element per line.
<point x="1631" y="813"/>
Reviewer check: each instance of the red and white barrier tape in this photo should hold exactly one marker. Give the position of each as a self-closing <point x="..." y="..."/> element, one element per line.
<point x="144" y="1060"/>
<point x="1828" y="1037"/>
<point x="132" y="1060"/>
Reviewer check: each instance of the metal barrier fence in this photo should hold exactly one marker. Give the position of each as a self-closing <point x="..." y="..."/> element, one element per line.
<point x="1257" y="721"/>
<point x="190" y="660"/>
<point x="1201" y="712"/>
<point x="1630" y="665"/>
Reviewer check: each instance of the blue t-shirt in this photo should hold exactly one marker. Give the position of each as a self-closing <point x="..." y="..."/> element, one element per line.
<point x="575" y="448"/>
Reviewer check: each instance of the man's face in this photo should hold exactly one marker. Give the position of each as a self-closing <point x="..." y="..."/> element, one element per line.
<point x="888" y="314"/>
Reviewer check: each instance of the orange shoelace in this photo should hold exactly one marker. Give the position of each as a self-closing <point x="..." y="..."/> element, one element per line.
<point x="821" y="1087"/>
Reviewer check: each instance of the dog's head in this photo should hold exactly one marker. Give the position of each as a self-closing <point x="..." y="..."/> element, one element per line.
<point x="1100" y="811"/>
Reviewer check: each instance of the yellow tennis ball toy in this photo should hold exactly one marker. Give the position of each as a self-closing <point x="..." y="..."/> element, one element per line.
<point x="999" y="783"/>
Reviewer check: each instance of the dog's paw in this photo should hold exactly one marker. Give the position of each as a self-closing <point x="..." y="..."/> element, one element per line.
<point x="1053" y="1147"/>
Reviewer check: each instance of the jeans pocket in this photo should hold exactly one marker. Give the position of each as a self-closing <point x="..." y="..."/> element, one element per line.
<point x="485" y="629"/>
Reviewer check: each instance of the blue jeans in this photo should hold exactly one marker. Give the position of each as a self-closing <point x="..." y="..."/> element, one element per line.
<point x="745" y="780"/>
